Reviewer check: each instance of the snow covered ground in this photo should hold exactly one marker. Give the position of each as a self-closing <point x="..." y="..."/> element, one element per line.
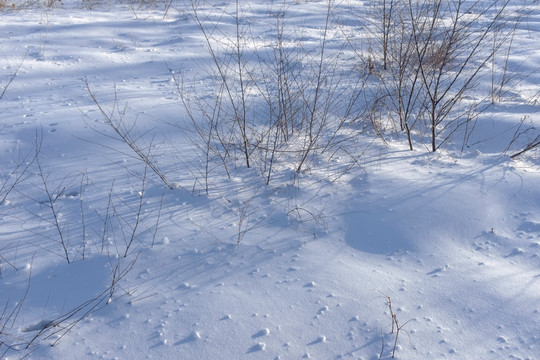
<point x="105" y="262"/>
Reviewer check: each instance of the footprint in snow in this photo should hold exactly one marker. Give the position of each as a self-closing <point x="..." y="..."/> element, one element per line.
<point x="323" y="310"/>
<point x="257" y="347"/>
<point x="437" y="271"/>
<point x="194" y="336"/>
<point x="263" y="332"/>
<point x="42" y="325"/>
<point x="515" y="252"/>
<point x="502" y="339"/>
<point x="319" y="340"/>
<point x="530" y="227"/>
<point x="185" y="285"/>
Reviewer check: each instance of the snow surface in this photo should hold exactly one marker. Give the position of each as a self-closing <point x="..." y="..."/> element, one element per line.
<point x="453" y="239"/>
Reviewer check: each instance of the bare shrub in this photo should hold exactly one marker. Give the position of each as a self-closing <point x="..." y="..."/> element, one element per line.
<point x="276" y="103"/>
<point x="115" y="118"/>
<point x="437" y="56"/>
<point x="27" y="4"/>
<point x="123" y="227"/>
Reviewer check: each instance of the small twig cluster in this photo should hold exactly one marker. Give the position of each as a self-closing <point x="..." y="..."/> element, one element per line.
<point x="8" y="316"/>
<point x="525" y="129"/>
<point x="58" y="327"/>
<point x="395" y="325"/>
<point x="51" y="203"/>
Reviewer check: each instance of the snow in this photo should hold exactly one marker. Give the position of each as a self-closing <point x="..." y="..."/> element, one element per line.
<point x="300" y="268"/>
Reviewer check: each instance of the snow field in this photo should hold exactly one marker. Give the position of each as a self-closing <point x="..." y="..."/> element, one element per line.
<point x="301" y="268"/>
